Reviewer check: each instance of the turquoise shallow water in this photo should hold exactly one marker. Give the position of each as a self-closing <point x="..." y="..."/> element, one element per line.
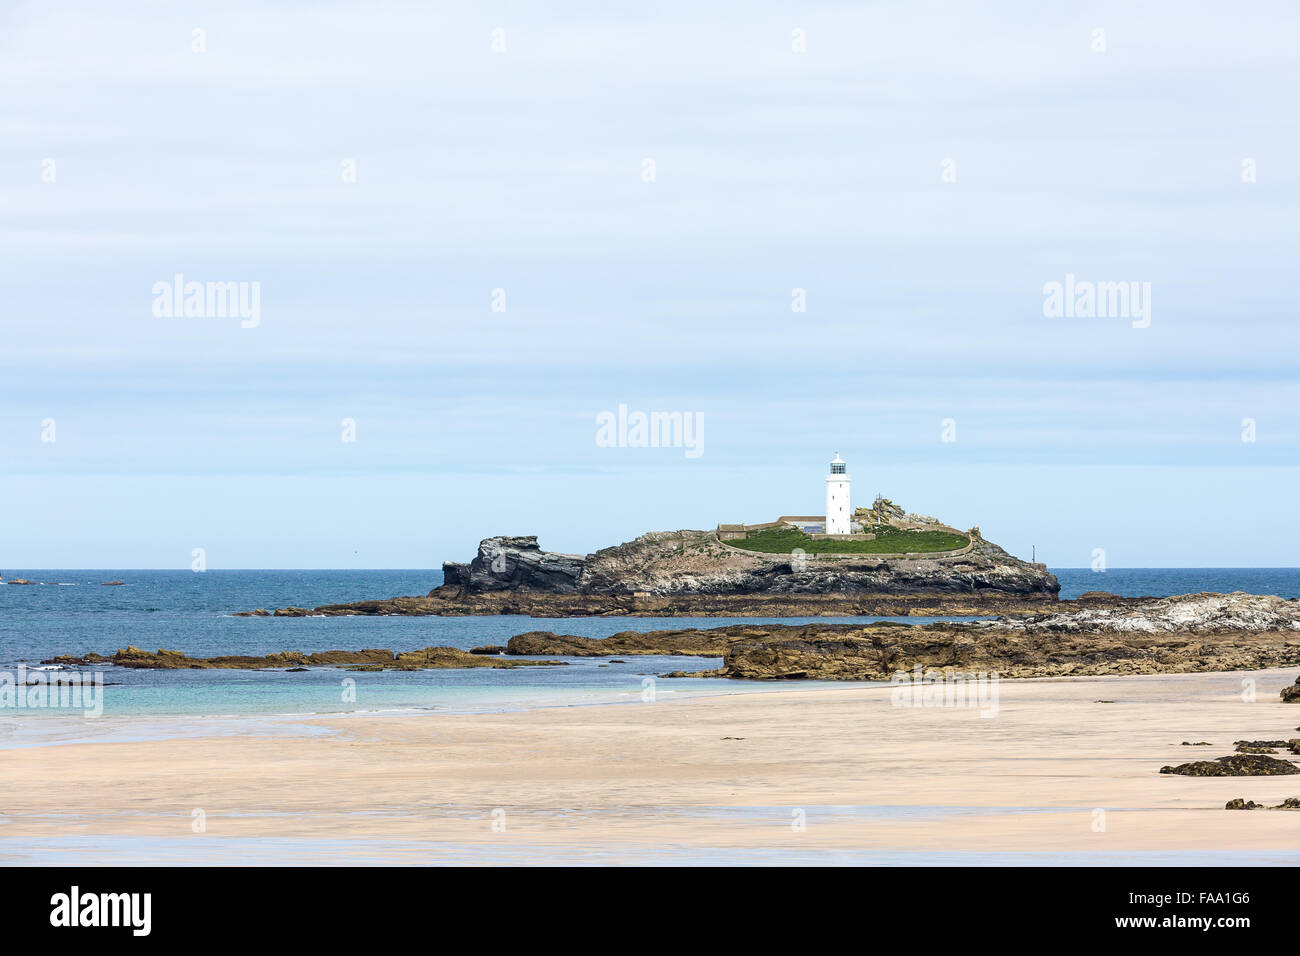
<point x="70" y="612"/>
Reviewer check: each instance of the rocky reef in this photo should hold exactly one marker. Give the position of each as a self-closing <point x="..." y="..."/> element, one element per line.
<point x="1198" y="613"/>
<point x="1237" y="765"/>
<point x="369" y="659"/>
<point x="1213" y="633"/>
<point x="1038" y="646"/>
<point x="690" y="642"/>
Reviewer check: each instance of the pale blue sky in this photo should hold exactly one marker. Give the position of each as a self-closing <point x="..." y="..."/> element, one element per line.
<point x="523" y="171"/>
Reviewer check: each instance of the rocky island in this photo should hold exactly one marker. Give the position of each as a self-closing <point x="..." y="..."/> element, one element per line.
<point x="701" y="573"/>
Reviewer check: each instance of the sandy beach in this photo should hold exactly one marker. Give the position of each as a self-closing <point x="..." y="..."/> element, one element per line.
<point x="1067" y="771"/>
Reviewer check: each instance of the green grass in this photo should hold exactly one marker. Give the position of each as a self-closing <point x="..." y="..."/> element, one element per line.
<point x="887" y="541"/>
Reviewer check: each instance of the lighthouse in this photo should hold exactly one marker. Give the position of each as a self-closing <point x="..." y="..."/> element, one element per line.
<point x="837" y="497"/>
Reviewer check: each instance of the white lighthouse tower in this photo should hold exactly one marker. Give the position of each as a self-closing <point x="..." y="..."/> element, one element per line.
<point x="837" y="498"/>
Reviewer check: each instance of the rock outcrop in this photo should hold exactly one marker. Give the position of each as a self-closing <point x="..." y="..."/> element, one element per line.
<point x="1291" y="695"/>
<point x="515" y="563"/>
<point x="1241" y="803"/>
<point x="1237" y="765"/>
<point x="1198" y="613"/>
<point x="686" y="642"/>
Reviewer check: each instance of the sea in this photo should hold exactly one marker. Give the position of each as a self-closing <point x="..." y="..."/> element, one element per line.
<point x="72" y="612"/>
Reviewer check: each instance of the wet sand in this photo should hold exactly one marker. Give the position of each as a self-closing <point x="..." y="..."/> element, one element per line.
<point x="815" y="774"/>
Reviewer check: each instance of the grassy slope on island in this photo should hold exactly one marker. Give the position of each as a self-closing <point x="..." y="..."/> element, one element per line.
<point x="887" y="541"/>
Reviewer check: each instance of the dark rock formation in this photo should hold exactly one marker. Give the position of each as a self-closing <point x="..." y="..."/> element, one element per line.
<point x="1240" y="803"/>
<point x="1237" y="765"/>
<point x="21" y="581"/>
<point x="688" y="641"/>
<point x="513" y="564"/>
<point x="1267" y="746"/>
<point x="1291" y="695"/>
<point x="112" y="584"/>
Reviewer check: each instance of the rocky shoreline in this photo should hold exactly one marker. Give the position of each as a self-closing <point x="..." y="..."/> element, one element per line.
<point x="1190" y="633"/>
<point x="1201" y="632"/>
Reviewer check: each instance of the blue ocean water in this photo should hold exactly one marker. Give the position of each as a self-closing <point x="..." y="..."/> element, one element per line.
<point x="70" y="612"/>
<point x="1165" y="582"/>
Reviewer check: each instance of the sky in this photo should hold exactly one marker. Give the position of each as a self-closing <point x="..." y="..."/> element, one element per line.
<point x="812" y="228"/>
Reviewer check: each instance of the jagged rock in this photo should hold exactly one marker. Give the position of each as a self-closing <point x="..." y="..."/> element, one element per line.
<point x="515" y="563"/>
<point x="1237" y="765"/>
<point x="257" y="612"/>
<point x="488" y="649"/>
<point x="1290" y="803"/>
<point x="112" y="584"/>
<point x="21" y="581"/>
<point x="1241" y="804"/>
<point x="1199" y="743"/>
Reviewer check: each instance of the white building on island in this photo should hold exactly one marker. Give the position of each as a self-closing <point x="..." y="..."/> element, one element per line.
<point x="838" y="511"/>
